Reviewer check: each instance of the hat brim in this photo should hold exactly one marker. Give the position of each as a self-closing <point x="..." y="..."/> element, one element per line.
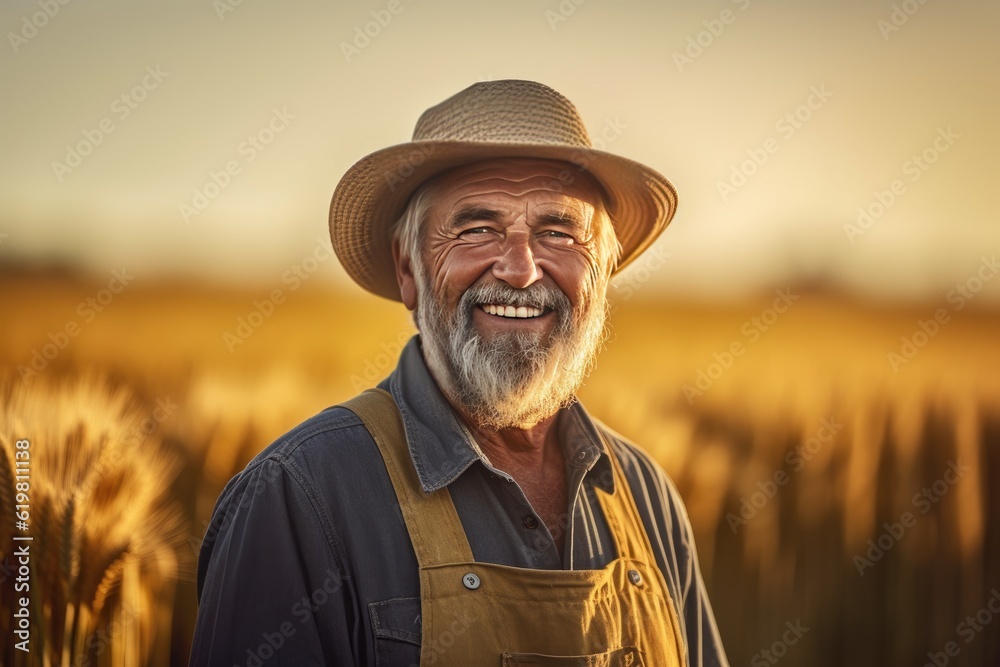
<point x="373" y="194"/>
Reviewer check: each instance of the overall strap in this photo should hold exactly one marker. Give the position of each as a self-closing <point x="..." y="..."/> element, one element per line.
<point x="622" y="513"/>
<point x="431" y="520"/>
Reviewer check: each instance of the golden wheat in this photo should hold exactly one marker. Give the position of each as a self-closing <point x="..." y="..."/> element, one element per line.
<point x="101" y="512"/>
<point x="793" y="558"/>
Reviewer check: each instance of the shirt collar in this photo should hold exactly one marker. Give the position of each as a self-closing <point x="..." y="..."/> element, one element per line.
<point x="441" y="447"/>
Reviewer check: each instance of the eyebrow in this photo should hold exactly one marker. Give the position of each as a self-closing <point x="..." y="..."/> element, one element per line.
<point x="562" y="219"/>
<point x="471" y="213"/>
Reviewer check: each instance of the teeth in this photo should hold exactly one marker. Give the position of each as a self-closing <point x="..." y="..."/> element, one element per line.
<point x="522" y="312"/>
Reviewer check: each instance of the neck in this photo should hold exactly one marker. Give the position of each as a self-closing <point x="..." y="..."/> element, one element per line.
<point x="506" y="448"/>
<point x="514" y="448"/>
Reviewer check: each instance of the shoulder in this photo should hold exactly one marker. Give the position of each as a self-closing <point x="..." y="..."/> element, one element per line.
<point x="326" y="434"/>
<point x="307" y="465"/>
<point x="641" y="469"/>
<point x="302" y="480"/>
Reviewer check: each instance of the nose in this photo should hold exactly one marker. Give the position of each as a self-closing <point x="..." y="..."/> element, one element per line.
<point x="516" y="264"/>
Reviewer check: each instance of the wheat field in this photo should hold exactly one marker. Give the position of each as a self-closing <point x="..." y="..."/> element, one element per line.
<point x="829" y="483"/>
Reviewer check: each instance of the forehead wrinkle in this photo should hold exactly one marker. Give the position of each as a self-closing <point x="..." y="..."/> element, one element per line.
<point x="533" y="197"/>
<point x="518" y="167"/>
<point x="521" y="184"/>
<point x="517" y="171"/>
<point x="504" y="188"/>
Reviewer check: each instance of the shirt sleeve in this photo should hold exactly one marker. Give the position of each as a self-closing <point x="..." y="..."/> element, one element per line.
<point x="672" y="539"/>
<point x="271" y="587"/>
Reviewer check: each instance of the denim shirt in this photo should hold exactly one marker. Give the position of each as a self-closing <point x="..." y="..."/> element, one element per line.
<point x="307" y="560"/>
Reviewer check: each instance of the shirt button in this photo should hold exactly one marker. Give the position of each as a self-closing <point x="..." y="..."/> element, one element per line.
<point x="470" y="581"/>
<point x="635" y="577"/>
<point x="530" y="521"/>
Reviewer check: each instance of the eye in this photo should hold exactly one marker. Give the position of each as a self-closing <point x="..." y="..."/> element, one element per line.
<point x="474" y="230"/>
<point x="556" y="234"/>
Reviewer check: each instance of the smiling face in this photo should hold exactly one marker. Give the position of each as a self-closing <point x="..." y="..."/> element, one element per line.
<point x="509" y="285"/>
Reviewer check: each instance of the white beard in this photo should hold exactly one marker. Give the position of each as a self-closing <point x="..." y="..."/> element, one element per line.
<point x="512" y="380"/>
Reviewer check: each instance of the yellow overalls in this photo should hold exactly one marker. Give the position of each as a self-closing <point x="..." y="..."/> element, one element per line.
<point x="483" y="614"/>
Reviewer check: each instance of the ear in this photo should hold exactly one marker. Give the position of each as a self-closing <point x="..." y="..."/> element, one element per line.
<point x="404" y="276"/>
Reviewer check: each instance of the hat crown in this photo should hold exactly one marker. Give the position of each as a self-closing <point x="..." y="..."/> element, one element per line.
<point x="505" y="111"/>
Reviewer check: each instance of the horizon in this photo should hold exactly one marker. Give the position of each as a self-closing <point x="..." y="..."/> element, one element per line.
<point x="848" y="146"/>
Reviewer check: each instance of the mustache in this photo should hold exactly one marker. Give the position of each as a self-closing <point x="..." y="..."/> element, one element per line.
<point x="535" y="295"/>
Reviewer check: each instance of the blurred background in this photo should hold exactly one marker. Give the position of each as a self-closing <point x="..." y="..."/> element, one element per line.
<point x="810" y="349"/>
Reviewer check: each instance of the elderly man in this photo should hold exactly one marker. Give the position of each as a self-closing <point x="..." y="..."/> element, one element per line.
<point x="468" y="511"/>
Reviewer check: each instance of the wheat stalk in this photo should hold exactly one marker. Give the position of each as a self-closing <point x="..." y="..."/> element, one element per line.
<point x="99" y="500"/>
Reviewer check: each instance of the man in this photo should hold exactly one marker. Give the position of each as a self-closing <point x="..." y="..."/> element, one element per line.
<point x="468" y="511"/>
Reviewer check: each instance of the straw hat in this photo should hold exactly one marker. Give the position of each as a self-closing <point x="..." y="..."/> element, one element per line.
<point x="492" y="119"/>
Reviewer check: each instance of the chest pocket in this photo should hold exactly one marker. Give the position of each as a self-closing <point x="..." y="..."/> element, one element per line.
<point x="396" y="624"/>
<point x="628" y="656"/>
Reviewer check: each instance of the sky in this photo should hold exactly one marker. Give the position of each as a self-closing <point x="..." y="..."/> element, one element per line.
<point x="848" y="145"/>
